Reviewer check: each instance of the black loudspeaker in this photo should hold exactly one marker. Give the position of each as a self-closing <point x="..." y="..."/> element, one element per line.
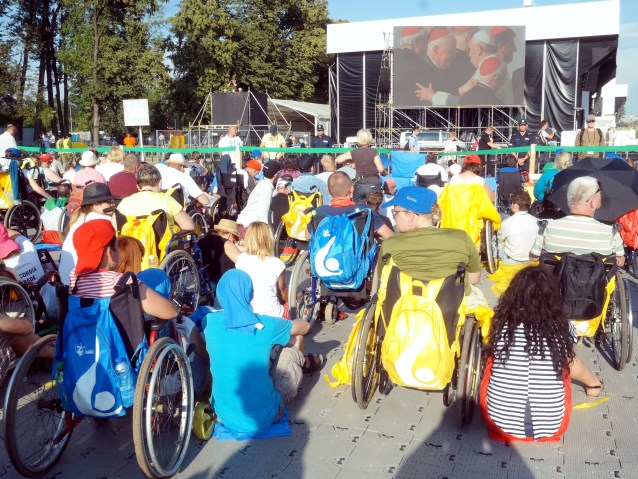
<point x="384" y="81"/>
<point x="245" y="108"/>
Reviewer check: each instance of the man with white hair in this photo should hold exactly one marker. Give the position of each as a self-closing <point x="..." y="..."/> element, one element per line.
<point x="7" y="139"/>
<point x="173" y="174"/>
<point x="578" y="232"/>
<point x="231" y="139"/>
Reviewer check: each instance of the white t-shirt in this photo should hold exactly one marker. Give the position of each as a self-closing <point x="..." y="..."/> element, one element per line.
<point x="518" y="232"/>
<point x="172" y="177"/>
<point x="325" y="175"/>
<point x="68" y="255"/>
<point x="69" y="175"/>
<point x="473" y="180"/>
<point x="109" y="169"/>
<point x="26" y="266"/>
<point x="258" y="205"/>
<point x="7" y="141"/>
<point x="226" y="141"/>
<point x="264" y="275"/>
<point x="432" y="169"/>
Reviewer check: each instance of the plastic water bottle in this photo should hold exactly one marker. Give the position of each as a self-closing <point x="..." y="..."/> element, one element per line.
<point x="152" y="261"/>
<point x="125" y="381"/>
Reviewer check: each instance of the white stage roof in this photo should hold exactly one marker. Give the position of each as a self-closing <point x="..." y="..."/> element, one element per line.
<point x="590" y="19"/>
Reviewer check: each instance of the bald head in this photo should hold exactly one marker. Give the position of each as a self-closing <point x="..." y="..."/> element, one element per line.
<point x="339" y="185"/>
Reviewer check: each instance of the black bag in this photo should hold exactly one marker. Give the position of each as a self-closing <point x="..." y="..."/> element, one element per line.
<point x="407" y="146"/>
<point x="583" y="281"/>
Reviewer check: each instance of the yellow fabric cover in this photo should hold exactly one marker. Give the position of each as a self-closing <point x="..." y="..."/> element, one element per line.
<point x="466" y="207"/>
<point x="503" y="276"/>
<point x="6" y="191"/>
<point x="343" y="369"/>
<point x="589" y="327"/>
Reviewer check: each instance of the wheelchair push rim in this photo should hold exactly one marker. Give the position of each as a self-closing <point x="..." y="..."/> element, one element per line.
<point x="25" y="218"/>
<point x="468" y="373"/>
<point x="366" y="359"/>
<point x="182" y="271"/>
<point x="303" y="301"/>
<point x="163" y="409"/>
<point x="33" y="406"/>
<point x="285" y="246"/>
<point x="618" y="325"/>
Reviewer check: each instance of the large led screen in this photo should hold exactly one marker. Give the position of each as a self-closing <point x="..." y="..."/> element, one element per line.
<point x="452" y="66"/>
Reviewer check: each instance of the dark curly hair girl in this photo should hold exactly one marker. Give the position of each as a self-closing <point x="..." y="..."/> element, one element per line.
<point x="533" y="300"/>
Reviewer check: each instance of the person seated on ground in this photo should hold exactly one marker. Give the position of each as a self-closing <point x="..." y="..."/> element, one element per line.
<point x="151" y="198"/>
<point x="257" y="360"/>
<point x="173" y="174"/>
<point x="131" y="254"/>
<point x="470" y="175"/>
<point x="123" y="183"/>
<point x="423" y="251"/>
<point x="88" y="173"/>
<point x="280" y="204"/>
<point x="431" y="168"/>
<point x="307" y="182"/>
<point x="214" y="256"/>
<point x="267" y="272"/>
<point x="518" y="232"/>
<point x="341" y="188"/>
<point x="374" y="199"/>
<point x="328" y="166"/>
<point x="526" y="392"/>
<point x="544" y="184"/>
<point x="112" y="164"/>
<point x="258" y="205"/>
<point x="511" y="166"/>
<point x="97" y="203"/>
<point x="578" y="232"/>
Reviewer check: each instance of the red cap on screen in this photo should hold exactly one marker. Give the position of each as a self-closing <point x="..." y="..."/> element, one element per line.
<point x="438" y="32"/>
<point x="464" y="29"/>
<point x="496" y="31"/>
<point x="409" y="31"/>
<point x="489" y="66"/>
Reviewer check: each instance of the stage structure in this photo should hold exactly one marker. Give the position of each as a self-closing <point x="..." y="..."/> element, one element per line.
<point x="563" y="66"/>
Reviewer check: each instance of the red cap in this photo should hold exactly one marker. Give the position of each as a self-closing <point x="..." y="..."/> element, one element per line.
<point x="496" y="31"/>
<point x="489" y="66"/>
<point x="464" y="29"/>
<point x="46" y="157"/>
<point x="472" y="159"/>
<point x="89" y="240"/>
<point x="254" y="164"/>
<point x="438" y="32"/>
<point x="409" y="31"/>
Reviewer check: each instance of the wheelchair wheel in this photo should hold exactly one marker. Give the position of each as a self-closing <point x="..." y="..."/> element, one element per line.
<point x="366" y="360"/>
<point x="63" y="224"/>
<point x="163" y="409"/>
<point x="469" y="372"/>
<point x="201" y="225"/>
<point x="285" y="246"/>
<point x="491" y="247"/>
<point x="182" y="270"/>
<point x="303" y="302"/>
<point x="34" y="419"/>
<point x="15" y="300"/>
<point x="25" y="218"/>
<point x="619" y="325"/>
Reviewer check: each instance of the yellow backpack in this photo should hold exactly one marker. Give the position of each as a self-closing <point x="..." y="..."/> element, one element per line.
<point x="297" y="220"/>
<point x="152" y="231"/>
<point x="416" y="351"/>
<point x="343" y="369"/>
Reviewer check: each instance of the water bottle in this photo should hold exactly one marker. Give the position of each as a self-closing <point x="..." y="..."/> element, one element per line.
<point x="125" y="381"/>
<point x="152" y="261"/>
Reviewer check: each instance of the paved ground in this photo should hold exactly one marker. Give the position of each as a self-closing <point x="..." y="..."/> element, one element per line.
<point x="408" y="434"/>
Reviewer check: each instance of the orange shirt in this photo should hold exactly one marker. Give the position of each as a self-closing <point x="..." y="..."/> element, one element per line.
<point x="129" y="141"/>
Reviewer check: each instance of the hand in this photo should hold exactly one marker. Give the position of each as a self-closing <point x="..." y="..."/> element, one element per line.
<point x="471" y="83"/>
<point x="424" y="93"/>
<point x="521" y="161"/>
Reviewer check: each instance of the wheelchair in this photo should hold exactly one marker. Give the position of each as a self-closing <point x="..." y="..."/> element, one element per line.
<point x="307" y="295"/>
<point x="611" y="327"/>
<point x="507" y="183"/>
<point x="37" y="429"/>
<point x="368" y="373"/>
<point x="428" y="180"/>
<point x="22" y="216"/>
<point x="481" y="227"/>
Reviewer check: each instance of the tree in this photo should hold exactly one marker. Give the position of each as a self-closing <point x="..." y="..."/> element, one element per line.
<point x="272" y="46"/>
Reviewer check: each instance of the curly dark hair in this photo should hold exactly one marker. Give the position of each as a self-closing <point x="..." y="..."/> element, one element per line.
<point x="533" y="300"/>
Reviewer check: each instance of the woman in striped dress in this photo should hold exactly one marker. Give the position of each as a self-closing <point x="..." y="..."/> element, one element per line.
<point x="526" y="391"/>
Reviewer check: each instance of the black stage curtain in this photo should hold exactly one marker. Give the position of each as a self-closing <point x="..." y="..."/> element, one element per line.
<point x="561" y="69"/>
<point x="350" y="87"/>
<point x="534" y="81"/>
<point x="373" y="70"/>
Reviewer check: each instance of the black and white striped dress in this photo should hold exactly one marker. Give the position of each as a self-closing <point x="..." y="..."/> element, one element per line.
<point x="525" y="398"/>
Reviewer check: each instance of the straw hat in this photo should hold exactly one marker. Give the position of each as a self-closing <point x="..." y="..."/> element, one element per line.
<point x="227" y="226"/>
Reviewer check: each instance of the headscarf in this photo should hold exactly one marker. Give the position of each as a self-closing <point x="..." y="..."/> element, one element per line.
<point x="235" y="291"/>
<point x="157" y="280"/>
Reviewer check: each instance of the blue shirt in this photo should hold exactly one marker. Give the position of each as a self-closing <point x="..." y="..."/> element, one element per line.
<point x="243" y="393"/>
<point x="305" y="181"/>
<point x="544" y="182"/>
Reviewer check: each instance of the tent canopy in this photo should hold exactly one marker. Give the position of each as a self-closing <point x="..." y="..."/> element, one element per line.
<point x="302" y="116"/>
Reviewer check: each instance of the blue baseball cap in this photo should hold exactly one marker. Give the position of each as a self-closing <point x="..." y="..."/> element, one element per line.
<point x="256" y="154"/>
<point x="413" y="198"/>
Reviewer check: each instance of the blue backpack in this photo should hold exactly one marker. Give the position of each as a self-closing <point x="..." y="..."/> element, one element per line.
<point x="87" y="350"/>
<point x="340" y="256"/>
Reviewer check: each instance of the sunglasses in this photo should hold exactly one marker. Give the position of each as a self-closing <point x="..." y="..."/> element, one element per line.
<point x="591" y="121"/>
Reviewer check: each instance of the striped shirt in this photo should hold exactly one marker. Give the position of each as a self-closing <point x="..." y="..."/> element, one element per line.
<point x="578" y="235"/>
<point x="98" y="284"/>
<point x="524" y="396"/>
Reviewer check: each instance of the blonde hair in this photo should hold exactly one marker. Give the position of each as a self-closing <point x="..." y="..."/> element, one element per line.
<point x="115" y="154"/>
<point x="328" y="163"/>
<point x="364" y="137"/>
<point x="131" y="254"/>
<point x="259" y="240"/>
<point x="563" y="160"/>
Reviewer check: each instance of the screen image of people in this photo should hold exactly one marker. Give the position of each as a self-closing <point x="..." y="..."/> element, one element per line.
<point x="458" y="66"/>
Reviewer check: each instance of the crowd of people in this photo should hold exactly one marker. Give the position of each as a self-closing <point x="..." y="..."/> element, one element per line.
<point x="246" y="340"/>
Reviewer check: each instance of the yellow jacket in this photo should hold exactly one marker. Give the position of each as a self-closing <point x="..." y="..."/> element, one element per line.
<point x="465" y="207"/>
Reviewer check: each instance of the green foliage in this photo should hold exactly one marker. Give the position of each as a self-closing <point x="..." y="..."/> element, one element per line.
<point x="272" y="46"/>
